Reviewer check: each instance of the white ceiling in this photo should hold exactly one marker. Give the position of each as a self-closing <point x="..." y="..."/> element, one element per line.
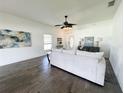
<point x="52" y="12"/>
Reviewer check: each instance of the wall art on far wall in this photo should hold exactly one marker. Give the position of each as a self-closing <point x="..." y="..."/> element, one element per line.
<point x="89" y="41"/>
<point x="14" y="39"/>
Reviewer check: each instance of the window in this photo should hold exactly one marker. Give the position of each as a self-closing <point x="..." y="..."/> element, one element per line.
<point x="47" y="42"/>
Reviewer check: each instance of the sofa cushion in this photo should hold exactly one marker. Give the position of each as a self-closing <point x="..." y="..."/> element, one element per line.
<point x="57" y="50"/>
<point x="69" y="51"/>
<point x="97" y="55"/>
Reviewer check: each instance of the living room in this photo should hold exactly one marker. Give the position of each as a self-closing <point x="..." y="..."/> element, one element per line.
<point x="30" y="30"/>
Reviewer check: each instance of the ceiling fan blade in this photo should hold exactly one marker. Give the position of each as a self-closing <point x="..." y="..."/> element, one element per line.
<point x="71" y="24"/>
<point x="58" y="25"/>
<point x="62" y="27"/>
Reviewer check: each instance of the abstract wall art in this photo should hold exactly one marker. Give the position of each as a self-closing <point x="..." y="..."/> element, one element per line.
<point x="14" y="39"/>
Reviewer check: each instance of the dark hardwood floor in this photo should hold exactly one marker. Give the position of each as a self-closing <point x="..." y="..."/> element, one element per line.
<point x="37" y="76"/>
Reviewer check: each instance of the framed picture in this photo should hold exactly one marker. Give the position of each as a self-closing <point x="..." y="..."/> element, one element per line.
<point x="59" y="41"/>
<point x="89" y="41"/>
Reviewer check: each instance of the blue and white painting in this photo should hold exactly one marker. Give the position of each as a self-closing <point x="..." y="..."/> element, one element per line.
<point x="14" y="39"/>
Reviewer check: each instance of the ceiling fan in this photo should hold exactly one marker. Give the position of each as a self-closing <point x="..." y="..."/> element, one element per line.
<point x="65" y="24"/>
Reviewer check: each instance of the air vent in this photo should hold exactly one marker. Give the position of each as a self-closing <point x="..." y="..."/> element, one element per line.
<point x="111" y="3"/>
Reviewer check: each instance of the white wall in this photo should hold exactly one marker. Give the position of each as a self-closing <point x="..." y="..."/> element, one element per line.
<point x="116" y="53"/>
<point x="101" y="29"/>
<point x="11" y="55"/>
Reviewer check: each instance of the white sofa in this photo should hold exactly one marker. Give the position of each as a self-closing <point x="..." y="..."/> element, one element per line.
<point x="90" y="68"/>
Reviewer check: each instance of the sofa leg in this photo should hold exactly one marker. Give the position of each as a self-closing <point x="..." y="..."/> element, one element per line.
<point x="48" y="58"/>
